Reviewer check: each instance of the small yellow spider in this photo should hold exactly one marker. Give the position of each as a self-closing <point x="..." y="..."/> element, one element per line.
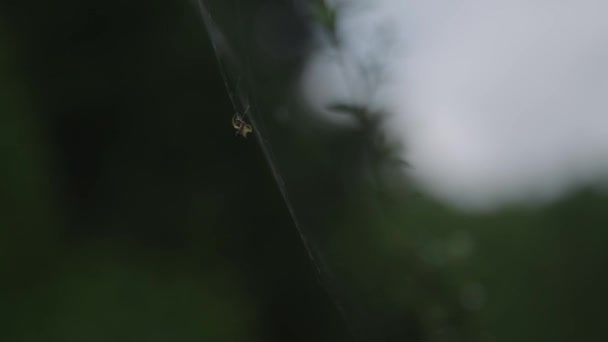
<point x="242" y="128"/>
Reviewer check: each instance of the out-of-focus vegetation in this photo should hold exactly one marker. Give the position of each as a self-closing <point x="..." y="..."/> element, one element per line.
<point x="132" y="212"/>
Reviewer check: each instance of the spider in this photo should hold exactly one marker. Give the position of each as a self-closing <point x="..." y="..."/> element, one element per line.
<point x="242" y="128"/>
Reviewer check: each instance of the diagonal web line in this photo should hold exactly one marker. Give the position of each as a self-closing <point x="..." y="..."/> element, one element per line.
<point x="232" y="72"/>
<point x="228" y="63"/>
<point x="230" y="69"/>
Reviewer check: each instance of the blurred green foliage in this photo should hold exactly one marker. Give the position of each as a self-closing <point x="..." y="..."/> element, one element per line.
<point x="132" y="212"/>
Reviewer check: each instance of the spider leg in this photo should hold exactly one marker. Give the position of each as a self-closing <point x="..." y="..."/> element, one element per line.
<point x="237" y="121"/>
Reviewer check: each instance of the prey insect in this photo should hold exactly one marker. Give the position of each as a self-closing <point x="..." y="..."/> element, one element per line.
<point x="241" y="126"/>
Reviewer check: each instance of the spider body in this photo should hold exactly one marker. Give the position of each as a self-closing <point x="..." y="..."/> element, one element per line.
<point x="242" y="128"/>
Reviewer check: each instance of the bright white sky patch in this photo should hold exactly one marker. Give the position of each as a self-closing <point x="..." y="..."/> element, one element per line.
<point x="498" y="102"/>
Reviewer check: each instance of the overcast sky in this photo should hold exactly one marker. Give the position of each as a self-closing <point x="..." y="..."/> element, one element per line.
<point x="498" y="102"/>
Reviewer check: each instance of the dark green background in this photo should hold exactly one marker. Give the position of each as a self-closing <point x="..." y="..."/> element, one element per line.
<point x="131" y="212"/>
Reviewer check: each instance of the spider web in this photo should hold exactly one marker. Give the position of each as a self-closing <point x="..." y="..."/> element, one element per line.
<point x="235" y="81"/>
<point x="235" y="78"/>
<point x="230" y="68"/>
